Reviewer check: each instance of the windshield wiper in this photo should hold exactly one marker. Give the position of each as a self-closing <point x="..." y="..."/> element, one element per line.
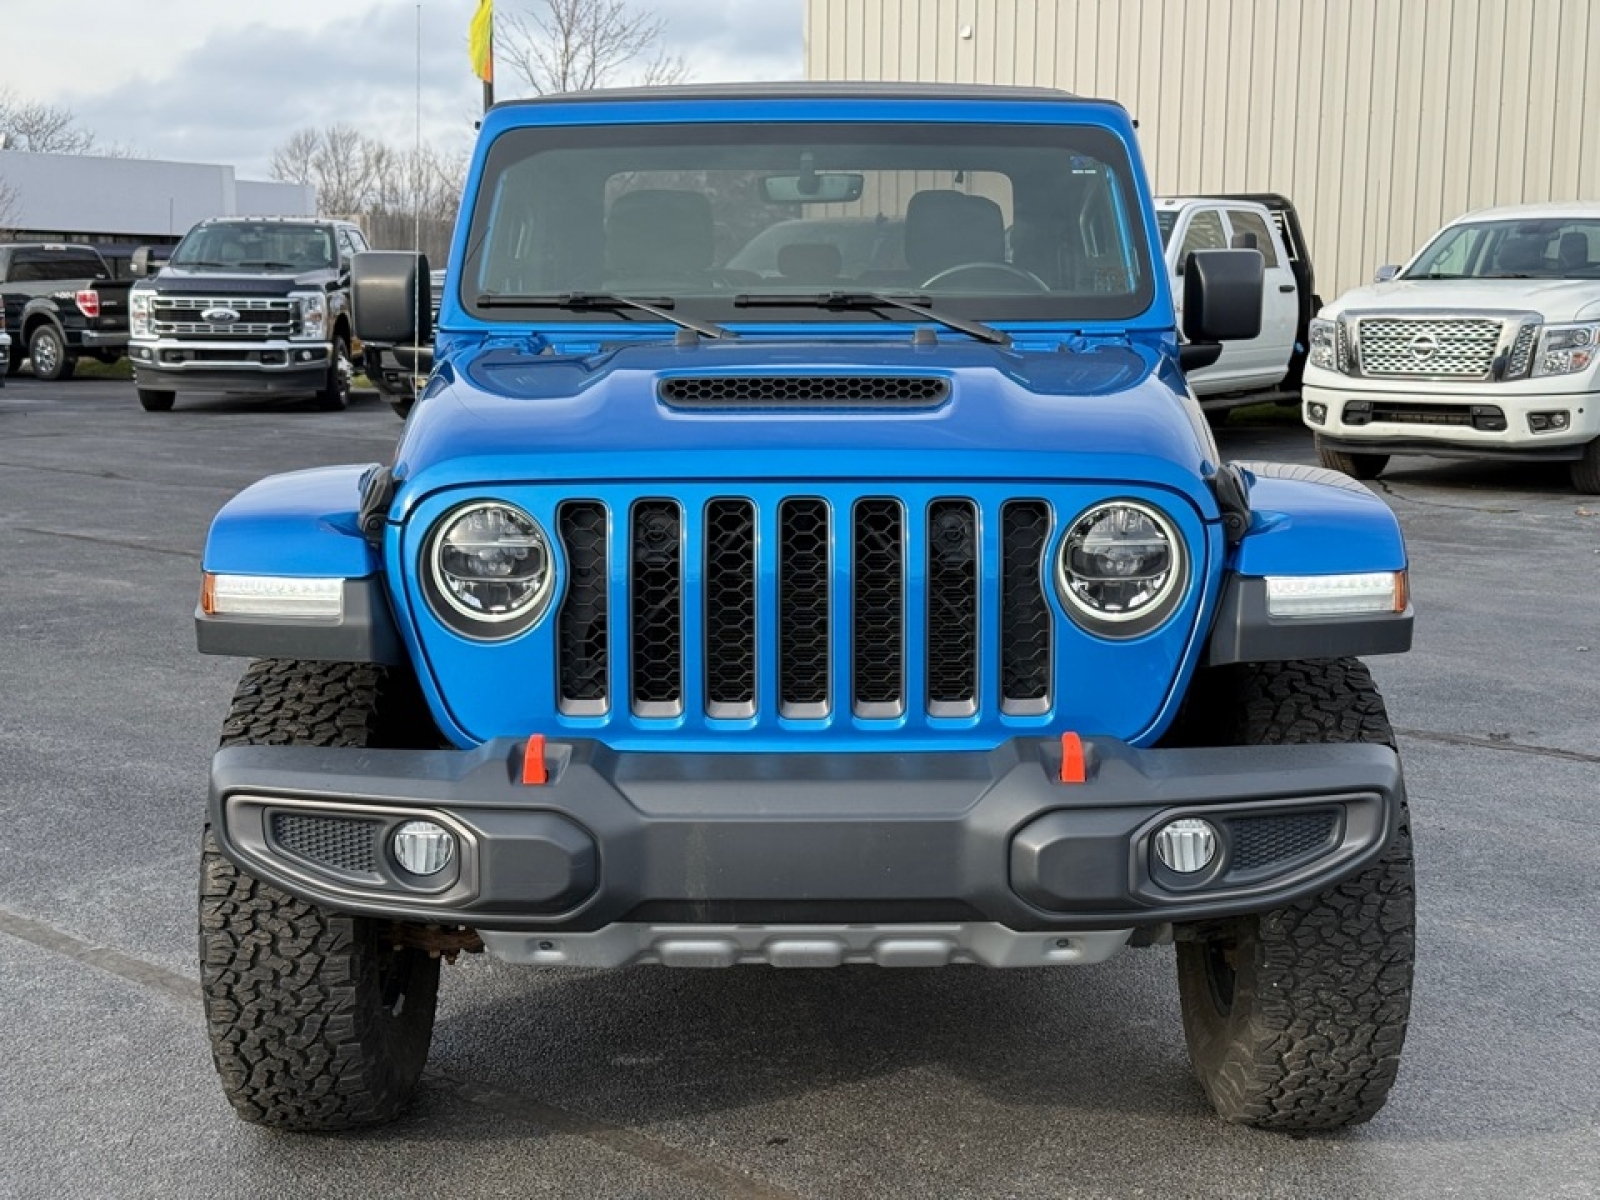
<point x="656" y="306"/>
<point x="268" y="264"/>
<point x="848" y="300"/>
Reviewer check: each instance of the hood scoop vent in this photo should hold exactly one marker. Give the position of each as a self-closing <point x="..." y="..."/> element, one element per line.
<point x="743" y="393"/>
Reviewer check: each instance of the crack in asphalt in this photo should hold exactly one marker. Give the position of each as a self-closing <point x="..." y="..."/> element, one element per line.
<point x="717" y="1179"/>
<point x="107" y="541"/>
<point x="1491" y="743"/>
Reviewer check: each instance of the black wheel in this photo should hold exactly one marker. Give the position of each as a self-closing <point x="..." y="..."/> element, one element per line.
<point x="1357" y="466"/>
<point x="14" y="359"/>
<point x="334" y="394"/>
<point x="317" y="1020"/>
<point x="1586" y="471"/>
<point x="1295" y="1018"/>
<point x="48" y="350"/>
<point x="154" y="400"/>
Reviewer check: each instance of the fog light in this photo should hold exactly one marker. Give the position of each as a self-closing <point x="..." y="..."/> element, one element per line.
<point x="1317" y="412"/>
<point x="424" y="848"/>
<point x="1187" y="846"/>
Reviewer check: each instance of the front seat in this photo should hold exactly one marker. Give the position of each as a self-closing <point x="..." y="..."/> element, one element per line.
<point x="947" y="229"/>
<point x="1573" y="254"/>
<point x="659" y="236"/>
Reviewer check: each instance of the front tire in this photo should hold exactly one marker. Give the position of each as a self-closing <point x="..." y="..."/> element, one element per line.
<point x="154" y="400"/>
<point x="334" y="395"/>
<point x="1295" y="1018"/>
<point x="1357" y="466"/>
<point x="317" y="1020"/>
<point x="48" y="350"/>
<point x="1586" y="471"/>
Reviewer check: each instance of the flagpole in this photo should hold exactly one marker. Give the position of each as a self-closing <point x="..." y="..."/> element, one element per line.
<point x="488" y="84"/>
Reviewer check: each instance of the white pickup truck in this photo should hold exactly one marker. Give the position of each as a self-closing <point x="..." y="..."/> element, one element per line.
<point x="1485" y="345"/>
<point x="1247" y="371"/>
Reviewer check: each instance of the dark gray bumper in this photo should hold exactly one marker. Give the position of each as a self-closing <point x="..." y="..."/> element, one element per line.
<point x="804" y="838"/>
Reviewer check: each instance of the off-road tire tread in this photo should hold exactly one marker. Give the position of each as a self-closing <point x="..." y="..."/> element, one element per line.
<point x="298" y="1031"/>
<point x="1328" y="978"/>
<point x="1357" y="466"/>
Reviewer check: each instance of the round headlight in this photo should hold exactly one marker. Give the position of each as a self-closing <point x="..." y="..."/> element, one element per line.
<point x="489" y="571"/>
<point x="1121" y="568"/>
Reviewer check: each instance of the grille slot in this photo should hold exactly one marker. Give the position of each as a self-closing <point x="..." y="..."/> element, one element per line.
<point x="952" y="608"/>
<point x="1521" y="357"/>
<point x="343" y="844"/>
<point x="878" y="607"/>
<point x="656" y="603"/>
<point x="1461" y="348"/>
<point x="803" y="603"/>
<point x="1024" y="616"/>
<point x="1431" y="414"/>
<point x="730" y="569"/>
<point x="804" y="391"/>
<point x="585" y="645"/>
<point x="1265" y="841"/>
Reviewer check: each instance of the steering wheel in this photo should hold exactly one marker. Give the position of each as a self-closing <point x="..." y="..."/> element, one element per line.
<point x="1035" y="283"/>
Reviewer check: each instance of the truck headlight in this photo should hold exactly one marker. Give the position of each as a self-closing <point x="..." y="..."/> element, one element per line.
<point x="1324" y="338"/>
<point x="1566" y="349"/>
<point x="1121" y="568"/>
<point x="141" y="323"/>
<point x="313" y="316"/>
<point x="487" y="570"/>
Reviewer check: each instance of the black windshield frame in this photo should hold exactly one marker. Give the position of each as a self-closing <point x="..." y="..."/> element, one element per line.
<point x="985" y="144"/>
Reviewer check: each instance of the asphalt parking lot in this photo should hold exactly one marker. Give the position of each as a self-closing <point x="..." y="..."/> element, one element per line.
<point x="755" y="1083"/>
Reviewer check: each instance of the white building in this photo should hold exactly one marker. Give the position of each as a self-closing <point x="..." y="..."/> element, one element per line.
<point x="1381" y="119"/>
<point x="80" y="197"/>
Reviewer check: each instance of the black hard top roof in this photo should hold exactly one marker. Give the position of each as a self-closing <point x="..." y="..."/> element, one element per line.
<point x="809" y="89"/>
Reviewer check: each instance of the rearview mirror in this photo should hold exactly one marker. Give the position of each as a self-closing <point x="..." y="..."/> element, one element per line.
<point x="817" y="187"/>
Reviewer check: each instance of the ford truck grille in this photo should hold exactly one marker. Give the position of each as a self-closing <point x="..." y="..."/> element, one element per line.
<point x="824" y="604"/>
<point x="258" y="316"/>
<point x="1461" y="348"/>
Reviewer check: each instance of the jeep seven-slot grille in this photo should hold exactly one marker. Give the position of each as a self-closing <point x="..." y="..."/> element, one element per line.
<point x="777" y="599"/>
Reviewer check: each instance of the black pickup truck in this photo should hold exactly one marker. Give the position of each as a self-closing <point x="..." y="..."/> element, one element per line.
<point x="60" y="302"/>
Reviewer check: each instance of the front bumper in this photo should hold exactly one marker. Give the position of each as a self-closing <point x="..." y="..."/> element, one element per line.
<point x="259" y="367"/>
<point x="95" y="339"/>
<point x="1426" y="431"/>
<point x="671" y="840"/>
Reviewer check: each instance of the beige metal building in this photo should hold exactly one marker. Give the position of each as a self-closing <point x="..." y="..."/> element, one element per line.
<point x="1381" y="119"/>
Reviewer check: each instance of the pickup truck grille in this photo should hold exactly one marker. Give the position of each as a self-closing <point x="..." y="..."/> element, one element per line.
<point x="1462" y="348"/>
<point x="812" y="616"/>
<point x="259" y="316"/>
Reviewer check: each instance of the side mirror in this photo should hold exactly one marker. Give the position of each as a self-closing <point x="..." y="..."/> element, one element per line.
<point x="1385" y="273"/>
<point x="389" y="294"/>
<point x="139" y="262"/>
<point x="1222" y="295"/>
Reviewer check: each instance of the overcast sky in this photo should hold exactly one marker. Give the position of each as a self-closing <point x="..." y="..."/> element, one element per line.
<point x="229" y="82"/>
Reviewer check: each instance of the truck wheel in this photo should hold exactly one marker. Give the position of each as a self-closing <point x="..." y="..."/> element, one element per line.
<point x="1295" y="1018"/>
<point x="317" y="1020"/>
<point x="1586" y="471"/>
<point x="1357" y="466"/>
<point x="48" y="350"/>
<point x="335" y="393"/>
<point x="14" y="359"/>
<point x="153" y="400"/>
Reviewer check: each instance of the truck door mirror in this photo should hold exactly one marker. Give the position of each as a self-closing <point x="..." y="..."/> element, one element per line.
<point x="389" y="293"/>
<point x="1385" y="273"/>
<point x="139" y="262"/>
<point x="1222" y="295"/>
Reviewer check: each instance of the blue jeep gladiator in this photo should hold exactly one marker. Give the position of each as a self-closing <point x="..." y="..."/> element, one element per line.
<point x="877" y="601"/>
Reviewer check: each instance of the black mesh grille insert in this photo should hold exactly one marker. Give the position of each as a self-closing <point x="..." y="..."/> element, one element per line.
<point x="804" y="391"/>
<point x="878" y="608"/>
<point x="656" y="599"/>
<point x="730" y="608"/>
<point x="343" y="844"/>
<point x="584" y="639"/>
<point x="803" y="608"/>
<point x="1024" y="615"/>
<point x="1262" y="841"/>
<point x="952" y="607"/>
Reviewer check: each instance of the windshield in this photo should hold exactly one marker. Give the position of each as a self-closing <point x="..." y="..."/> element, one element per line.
<point x="985" y="221"/>
<point x="1549" y="248"/>
<point x="261" y="245"/>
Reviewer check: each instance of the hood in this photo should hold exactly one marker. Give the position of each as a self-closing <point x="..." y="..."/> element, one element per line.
<point x="1102" y="412"/>
<point x="1554" y="299"/>
<point x="192" y="282"/>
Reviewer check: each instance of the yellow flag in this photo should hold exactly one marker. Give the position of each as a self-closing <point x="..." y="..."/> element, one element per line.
<point x="480" y="41"/>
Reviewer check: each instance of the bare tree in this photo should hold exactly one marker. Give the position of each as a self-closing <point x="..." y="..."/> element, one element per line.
<point x="576" y="45"/>
<point x="292" y="161"/>
<point x="41" y="128"/>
